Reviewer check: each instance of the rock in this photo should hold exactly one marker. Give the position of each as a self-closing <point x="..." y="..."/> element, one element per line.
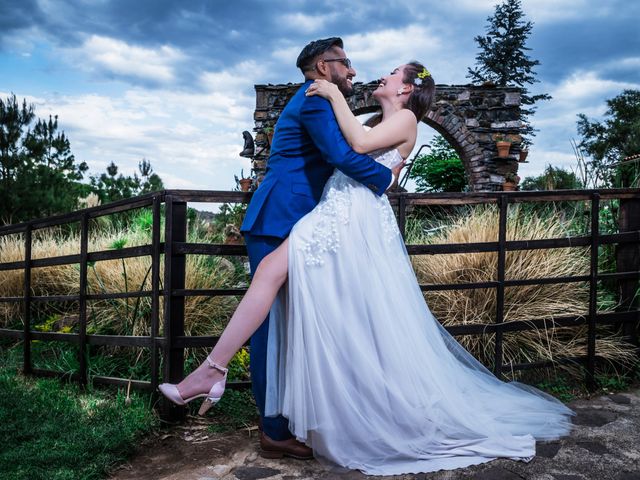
<point x="593" y="418"/>
<point x="252" y="457"/>
<point x="239" y="457"/>
<point x="254" y="473"/>
<point x="497" y="473"/>
<point x="220" y="470"/>
<point x="628" y="476"/>
<point x="547" y="450"/>
<point x="512" y="98"/>
<point x="593" y="447"/>
<point x="619" y="399"/>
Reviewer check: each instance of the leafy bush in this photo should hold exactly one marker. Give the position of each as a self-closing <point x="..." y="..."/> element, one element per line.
<point x="553" y="178"/>
<point x="441" y="170"/>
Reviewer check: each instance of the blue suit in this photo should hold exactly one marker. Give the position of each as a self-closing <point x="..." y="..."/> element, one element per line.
<point x="306" y="147"/>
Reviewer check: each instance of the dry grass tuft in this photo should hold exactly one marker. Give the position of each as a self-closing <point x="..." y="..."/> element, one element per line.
<point x="204" y="315"/>
<point x="457" y="307"/>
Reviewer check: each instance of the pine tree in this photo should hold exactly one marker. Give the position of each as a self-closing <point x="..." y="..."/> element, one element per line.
<point x="110" y="186"/>
<point x="503" y="58"/>
<point x="38" y="173"/>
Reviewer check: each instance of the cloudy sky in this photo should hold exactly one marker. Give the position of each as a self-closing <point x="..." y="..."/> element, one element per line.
<point x="172" y="81"/>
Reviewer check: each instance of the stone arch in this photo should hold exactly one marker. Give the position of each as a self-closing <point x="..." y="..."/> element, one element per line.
<point x="467" y="116"/>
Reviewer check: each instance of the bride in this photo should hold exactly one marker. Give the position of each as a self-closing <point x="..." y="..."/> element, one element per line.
<point x="365" y="374"/>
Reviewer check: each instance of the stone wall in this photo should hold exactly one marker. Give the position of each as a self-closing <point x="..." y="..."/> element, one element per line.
<point x="469" y="117"/>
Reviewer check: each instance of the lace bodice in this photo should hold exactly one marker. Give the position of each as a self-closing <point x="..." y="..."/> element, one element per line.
<point x="333" y="212"/>
<point x="388" y="158"/>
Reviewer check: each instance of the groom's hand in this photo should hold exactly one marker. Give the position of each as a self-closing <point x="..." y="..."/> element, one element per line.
<point x="396" y="174"/>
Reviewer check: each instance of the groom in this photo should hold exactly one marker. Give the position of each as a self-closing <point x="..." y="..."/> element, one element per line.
<point x="307" y="146"/>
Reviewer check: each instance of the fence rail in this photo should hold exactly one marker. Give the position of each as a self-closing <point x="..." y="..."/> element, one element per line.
<point x="175" y="247"/>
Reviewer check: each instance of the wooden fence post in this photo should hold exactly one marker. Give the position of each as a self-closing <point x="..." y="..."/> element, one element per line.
<point x="26" y="362"/>
<point x="174" y="278"/>
<point x="155" y="288"/>
<point x="82" y="333"/>
<point x="593" y="292"/>
<point x="628" y="260"/>
<point x="502" y="243"/>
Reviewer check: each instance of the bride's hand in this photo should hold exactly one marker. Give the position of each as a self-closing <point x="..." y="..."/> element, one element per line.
<point x="323" y="88"/>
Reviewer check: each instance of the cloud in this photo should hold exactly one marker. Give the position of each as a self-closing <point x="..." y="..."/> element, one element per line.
<point x="391" y="43"/>
<point x="173" y="81"/>
<point x="118" y="59"/>
<point x="539" y="158"/>
<point x="287" y="55"/>
<point x="581" y="91"/>
<point x="235" y="79"/>
<point x="377" y="52"/>
<point x="629" y="62"/>
<point x="192" y="139"/>
<point x="586" y="85"/>
<point x="545" y="11"/>
<point x="305" y="23"/>
<point x="625" y="67"/>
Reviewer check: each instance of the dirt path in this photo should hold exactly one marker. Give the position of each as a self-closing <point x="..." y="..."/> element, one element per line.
<point x="604" y="445"/>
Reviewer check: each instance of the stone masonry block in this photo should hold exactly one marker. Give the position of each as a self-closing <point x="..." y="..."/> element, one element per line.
<point x="512" y="98"/>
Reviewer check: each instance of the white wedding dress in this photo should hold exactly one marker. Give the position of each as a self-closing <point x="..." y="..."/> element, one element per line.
<point x="365" y="374"/>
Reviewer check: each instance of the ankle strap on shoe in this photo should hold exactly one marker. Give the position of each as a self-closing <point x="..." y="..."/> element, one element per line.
<point x="213" y="364"/>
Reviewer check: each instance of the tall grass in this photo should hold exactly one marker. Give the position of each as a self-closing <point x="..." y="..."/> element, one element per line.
<point x="208" y="315"/>
<point x="478" y="306"/>
<point x="132" y="316"/>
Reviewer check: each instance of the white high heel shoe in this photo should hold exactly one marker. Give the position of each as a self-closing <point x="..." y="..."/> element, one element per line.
<point x="170" y="391"/>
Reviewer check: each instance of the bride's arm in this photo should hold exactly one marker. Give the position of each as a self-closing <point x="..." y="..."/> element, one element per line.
<point x="400" y="129"/>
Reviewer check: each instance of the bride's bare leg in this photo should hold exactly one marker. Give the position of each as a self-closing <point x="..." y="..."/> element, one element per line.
<point x="251" y="312"/>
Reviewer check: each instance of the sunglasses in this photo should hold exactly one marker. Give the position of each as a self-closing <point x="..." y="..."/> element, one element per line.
<point x="344" y="61"/>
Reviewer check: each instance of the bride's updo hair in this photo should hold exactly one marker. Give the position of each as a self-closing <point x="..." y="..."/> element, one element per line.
<point x="424" y="89"/>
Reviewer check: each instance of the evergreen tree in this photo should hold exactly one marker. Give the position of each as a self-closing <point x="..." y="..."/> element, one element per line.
<point x="441" y="170"/>
<point x="610" y="141"/>
<point x="39" y="176"/>
<point x="38" y="173"/>
<point x="503" y="58"/>
<point x="150" y="181"/>
<point x="110" y="186"/>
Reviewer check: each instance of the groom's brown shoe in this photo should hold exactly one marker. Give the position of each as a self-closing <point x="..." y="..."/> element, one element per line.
<point x="270" y="448"/>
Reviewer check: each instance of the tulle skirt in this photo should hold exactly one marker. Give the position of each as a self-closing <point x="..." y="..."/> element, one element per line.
<point x="366" y="375"/>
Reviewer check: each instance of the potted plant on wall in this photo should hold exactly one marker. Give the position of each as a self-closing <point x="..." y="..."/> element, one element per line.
<point x="510" y="182"/>
<point x="523" y="154"/>
<point x="503" y="145"/>
<point x="243" y="182"/>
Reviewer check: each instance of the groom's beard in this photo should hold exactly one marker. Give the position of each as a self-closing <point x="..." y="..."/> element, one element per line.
<point x="343" y="85"/>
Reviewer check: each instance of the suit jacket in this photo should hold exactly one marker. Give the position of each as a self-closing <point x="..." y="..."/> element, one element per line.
<point x="307" y="146"/>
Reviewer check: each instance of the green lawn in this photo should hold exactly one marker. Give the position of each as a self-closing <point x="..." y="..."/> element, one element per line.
<point x="50" y="429"/>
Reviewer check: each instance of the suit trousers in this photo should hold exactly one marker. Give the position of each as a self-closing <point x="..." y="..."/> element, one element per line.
<point x="258" y="247"/>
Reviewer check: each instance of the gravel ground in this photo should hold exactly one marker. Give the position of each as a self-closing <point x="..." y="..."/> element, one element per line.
<point x="604" y="444"/>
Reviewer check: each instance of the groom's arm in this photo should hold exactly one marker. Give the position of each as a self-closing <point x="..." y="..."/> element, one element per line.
<point x="320" y="122"/>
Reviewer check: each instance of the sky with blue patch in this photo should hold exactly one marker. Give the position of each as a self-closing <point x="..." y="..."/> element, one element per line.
<point x="172" y="81"/>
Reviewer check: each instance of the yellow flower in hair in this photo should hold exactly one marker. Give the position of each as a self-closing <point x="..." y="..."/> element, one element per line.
<point x="424" y="74"/>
